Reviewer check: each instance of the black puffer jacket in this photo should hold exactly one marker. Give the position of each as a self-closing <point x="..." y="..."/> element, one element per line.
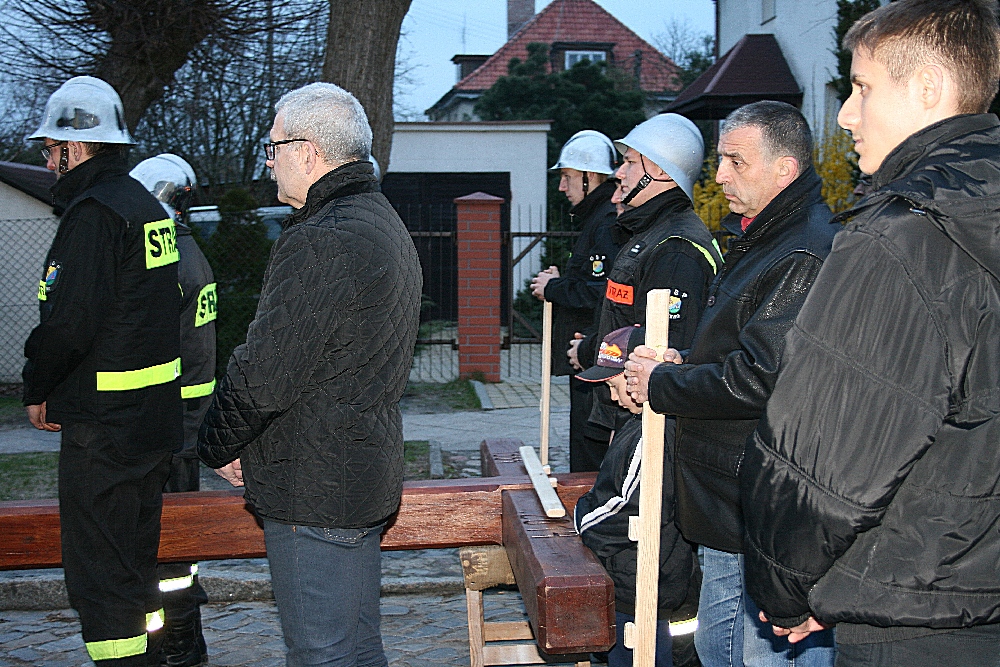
<point x="875" y="476"/>
<point x="310" y="404"/>
<point x="576" y="295"/>
<point x="720" y="391"/>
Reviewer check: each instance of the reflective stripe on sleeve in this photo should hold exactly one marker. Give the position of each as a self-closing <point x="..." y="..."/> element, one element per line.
<point x="117" y="648"/>
<point x="198" y="390"/>
<point x="678" y="628"/>
<point x="144" y="377"/>
<point x="702" y="249"/>
<point x="176" y="583"/>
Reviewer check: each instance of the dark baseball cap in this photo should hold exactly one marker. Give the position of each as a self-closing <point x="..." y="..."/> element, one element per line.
<point x="614" y="352"/>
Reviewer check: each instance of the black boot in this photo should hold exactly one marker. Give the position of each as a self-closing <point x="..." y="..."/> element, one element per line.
<point x="183" y="644"/>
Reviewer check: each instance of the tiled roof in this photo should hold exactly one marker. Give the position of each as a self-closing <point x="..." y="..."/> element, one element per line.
<point x="754" y="69"/>
<point x="30" y="180"/>
<point x="578" y="21"/>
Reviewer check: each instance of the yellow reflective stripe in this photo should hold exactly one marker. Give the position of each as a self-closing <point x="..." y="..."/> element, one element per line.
<point x="678" y="628"/>
<point x="117" y="648"/>
<point x="42" y="296"/>
<point x="194" y="569"/>
<point x="144" y="377"/>
<point x="160" y="238"/>
<point x="704" y="251"/>
<point x="154" y="620"/>
<point x="207" y="306"/>
<point x="198" y="390"/>
<point x="176" y="583"/>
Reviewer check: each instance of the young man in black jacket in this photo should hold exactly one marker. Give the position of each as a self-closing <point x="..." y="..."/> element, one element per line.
<point x="307" y="414"/>
<point x="585" y="163"/>
<point x="873" y="479"/>
<point x="718" y="388"/>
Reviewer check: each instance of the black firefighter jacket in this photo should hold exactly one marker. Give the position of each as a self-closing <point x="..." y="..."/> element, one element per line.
<point x="720" y="391"/>
<point x="665" y="245"/>
<point x="875" y="476"/>
<point x="107" y="348"/>
<point x="310" y="403"/>
<point x="199" y="309"/>
<point x="577" y="293"/>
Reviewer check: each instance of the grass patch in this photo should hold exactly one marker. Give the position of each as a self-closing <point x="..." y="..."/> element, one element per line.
<point x="11" y="411"/>
<point x="427" y="397"/>
<point x="29" y="476"/>
<point x="417" y="462"/>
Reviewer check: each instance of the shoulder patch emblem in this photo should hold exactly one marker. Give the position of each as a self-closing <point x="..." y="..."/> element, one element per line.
<point x="597" y="265"/>
<point x="160" y="238"/>
<point x="48" y="285"/>
<point x="636" y="248"/>
<point x="676" y="302"/>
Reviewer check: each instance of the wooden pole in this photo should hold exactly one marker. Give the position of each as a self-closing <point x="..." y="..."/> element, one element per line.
<point x="546" y="404"/>
<point x="643" y="632"/>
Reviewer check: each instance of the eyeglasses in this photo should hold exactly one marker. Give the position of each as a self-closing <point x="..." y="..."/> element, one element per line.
<point x="47" y="149"/>
<point x="270" y="146"/>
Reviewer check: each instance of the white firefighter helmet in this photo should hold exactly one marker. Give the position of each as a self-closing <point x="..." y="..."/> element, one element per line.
<point x="673" y="143"/>
<point x="587" y="150"/>
<point x="167" y="177"/>
<point x="378" y="169"/>
<point x="85" y="108"/>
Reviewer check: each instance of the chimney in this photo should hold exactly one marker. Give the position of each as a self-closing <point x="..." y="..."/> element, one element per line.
<point x="519" y="12"/>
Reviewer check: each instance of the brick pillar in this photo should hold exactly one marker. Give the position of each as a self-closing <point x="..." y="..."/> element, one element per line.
<point x="479" y="245"/>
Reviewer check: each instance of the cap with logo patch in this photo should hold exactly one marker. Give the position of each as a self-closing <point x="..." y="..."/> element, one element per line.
<point x="614" y="351"/>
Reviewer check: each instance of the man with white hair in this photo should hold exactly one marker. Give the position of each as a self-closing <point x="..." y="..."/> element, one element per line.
<point x="308" y="412"/>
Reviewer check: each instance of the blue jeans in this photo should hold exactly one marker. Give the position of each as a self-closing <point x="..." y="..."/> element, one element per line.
<point x="327" y="582"/>
<point x="619" y="656"/>
<point x="730" y="634"/>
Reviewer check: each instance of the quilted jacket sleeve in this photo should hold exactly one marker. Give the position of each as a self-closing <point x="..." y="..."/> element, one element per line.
<point x="864" y="388"/>
<point x="307" y="285"/>
<point x="738" y="387"/>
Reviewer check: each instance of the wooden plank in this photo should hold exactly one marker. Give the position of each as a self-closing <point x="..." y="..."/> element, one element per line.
<point x="546" y="406"/>
<point x="568" y="596"/>
<point x="213" y="525"/>
<point x="543" y="486"/>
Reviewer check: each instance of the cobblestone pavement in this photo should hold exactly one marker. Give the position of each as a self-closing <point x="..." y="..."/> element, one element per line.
<point x="418" y="630"/>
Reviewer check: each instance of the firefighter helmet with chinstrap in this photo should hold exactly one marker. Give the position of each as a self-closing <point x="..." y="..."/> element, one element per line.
<point x="673" y="143"/>
<point x="87" y="109"/>
<point x="587" y="150"/>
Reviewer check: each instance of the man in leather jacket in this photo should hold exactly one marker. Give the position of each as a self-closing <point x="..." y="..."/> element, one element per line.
<point x="718" y="388"/>
<point x="874" y="475"/>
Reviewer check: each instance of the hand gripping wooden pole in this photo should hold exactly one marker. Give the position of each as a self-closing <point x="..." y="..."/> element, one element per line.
<point x="641" y="637"/>
<point x="546" y="404"/>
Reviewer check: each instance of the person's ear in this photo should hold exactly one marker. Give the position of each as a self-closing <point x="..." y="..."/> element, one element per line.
<point x="930" y="80"/>
<point x="787" y="171"/>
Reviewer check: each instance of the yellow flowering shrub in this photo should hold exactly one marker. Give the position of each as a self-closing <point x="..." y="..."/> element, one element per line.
<point x="709" y="202"/>
<point x="836" y="163"/>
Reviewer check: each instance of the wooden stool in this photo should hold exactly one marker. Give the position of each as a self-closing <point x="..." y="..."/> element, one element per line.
<point x="485" y="567"/>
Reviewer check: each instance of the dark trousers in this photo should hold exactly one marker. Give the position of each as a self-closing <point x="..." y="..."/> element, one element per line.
<point x="326" y="584"/>
<point x="619" y="656"/>
<point x="109" y="510"/>
<point x="588" y="443"/>
<point x="977" y="646"/>
<point x="182" y="594"/>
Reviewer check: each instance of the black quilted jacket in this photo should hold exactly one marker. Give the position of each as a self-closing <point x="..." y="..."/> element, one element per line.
<point x="310" y="403"/>
<point x="875" y="476"/>
<point x="720" y="391"/>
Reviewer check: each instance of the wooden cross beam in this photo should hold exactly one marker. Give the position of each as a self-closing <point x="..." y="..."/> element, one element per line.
<point x="215" y="525"/>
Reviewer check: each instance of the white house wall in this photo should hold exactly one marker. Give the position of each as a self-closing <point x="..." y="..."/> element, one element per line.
<point x="27" y="228"/>
<point x="515" y="147"/>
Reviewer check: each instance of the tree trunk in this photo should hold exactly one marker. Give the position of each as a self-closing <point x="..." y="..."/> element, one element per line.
<point x="149" y="41"/>
<point x="361" y="57"/>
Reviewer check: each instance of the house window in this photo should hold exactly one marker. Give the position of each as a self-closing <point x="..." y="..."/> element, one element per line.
<point x="573" y="57"/>
<point x="767" y="10"/>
